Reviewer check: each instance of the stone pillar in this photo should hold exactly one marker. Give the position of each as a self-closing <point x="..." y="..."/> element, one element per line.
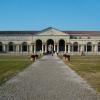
<point x="54" y="46"/>
<point x="78" y="47"/>
<point x="45" y="47"/>
<point x="96" y="48"/>
<point x="82" y="48"/>
<point x="93" y="47"/>
<point x="72" y="48"/>
<point x="31" y="48"/>
<point x="17" y="48"/>
<point x="86" y="48"/>
<point x="7" y="48"/>
<point x="57" y="48"/>
<point x="27" y="48"/>
<point x="68" y="48"/>
<point x="34" y="48"/>
<point x="42" y="47"/>
<point x="21" y="48"/>
<point x="4" y="48"/>
<point x="65" y="47"/>
<point x="14" y="48"/>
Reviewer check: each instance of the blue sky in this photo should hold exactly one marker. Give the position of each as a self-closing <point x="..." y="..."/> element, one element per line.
<point x="39" y="14"/>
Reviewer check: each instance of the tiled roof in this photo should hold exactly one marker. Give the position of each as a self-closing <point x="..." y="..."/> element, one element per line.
<point x="35" y="32"/>
<point x="18" y="32"/>
<point x="83" y="32"/>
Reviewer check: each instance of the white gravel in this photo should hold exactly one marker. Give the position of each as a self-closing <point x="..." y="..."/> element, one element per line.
<point x="47" y="79"/>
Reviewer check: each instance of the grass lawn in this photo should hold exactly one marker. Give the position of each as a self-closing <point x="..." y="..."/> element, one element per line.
<point x="89" y="68"/>
<point x="10" y="65"/>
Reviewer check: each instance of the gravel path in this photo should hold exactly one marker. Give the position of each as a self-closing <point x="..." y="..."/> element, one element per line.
<point x="47" y="79"/>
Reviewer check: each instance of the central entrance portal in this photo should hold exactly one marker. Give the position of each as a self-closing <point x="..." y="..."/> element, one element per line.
<point x="50" y="46"/>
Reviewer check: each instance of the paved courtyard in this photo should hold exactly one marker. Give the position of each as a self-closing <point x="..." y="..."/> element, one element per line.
<point x="47" y="79"/>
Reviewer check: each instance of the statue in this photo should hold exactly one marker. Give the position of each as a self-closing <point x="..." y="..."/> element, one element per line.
<point x="50" y="48"/>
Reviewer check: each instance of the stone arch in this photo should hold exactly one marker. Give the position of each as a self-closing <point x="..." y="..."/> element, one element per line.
<point x="1" y="47"/>
<point x="89" y="47"/>
<point x="38" y="45"/>
<point x="24" y="47"/>
<point x="11" y="46"/>
<point x="61" y="45"/>
<point x="75" y="46"/>
<point x="98" y="46"/>
<point x="50" y="42"/>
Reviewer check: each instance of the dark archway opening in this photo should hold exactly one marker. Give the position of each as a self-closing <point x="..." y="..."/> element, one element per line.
<point x="89" y="47"/>
<point x="75" y="47"/>
<point x="61" y="45"/>
<point x="50" y="46"/>
<point x="24" y="47"/>
<point x="1" y="47"/>
<point x="11" y="47"/>
<point x="99" y="47"/>
<point x="38" y="45"/>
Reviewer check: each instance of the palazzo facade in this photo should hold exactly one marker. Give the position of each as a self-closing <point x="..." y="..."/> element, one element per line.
<point x="71" y="42"/>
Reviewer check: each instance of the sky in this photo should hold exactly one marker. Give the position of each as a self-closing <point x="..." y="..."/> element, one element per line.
<point x="40" y="14"/>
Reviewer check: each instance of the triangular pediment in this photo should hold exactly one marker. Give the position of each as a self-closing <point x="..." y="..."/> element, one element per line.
<point x="51" y="31"/>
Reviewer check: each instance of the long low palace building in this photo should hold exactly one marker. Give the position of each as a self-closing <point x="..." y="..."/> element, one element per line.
<point x="71" y="42"/>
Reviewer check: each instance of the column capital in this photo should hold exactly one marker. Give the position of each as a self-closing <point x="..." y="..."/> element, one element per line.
<point x="44" y="43"/>
<point x="68" y="43"/>
<point x="32" y="43"/>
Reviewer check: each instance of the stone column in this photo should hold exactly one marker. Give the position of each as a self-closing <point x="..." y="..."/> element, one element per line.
<point x="82" y="48"/>
<point x="21" y="48"/>
<point x="78" y="47"/>
<point x="65" y="47"/>
<point x="58" y="48"/>
<point x="54" y="46"/>
<point x="96" y="48"/>
<point x="72" y="48"/>
<point x="31" y="48"/>
<point x="68" y="48"/>
<point x="4" y="47"/>
<point x="86" y="48"/>
<point x="14" y="48"/>
<point x="93" y="47"/>
<point x="45" y="47"/>
<point x="34" y="48"/>
<point x="42" y="47"/>
<point x="27" y="48"/>
<point x="17" y="48"/>
<point x="7" y="48"/>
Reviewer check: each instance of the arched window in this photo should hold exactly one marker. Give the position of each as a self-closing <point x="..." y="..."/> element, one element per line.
<point x="75" y="47"/>
<point x="38" y="45"/>
<point x="1" y="47"/>
<point x="89" y="47"/>
<point x="11" y="47"/>
<point x="99" y="47"/>
<point x="61" y="45"/>
<point x="24" y="47"/>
